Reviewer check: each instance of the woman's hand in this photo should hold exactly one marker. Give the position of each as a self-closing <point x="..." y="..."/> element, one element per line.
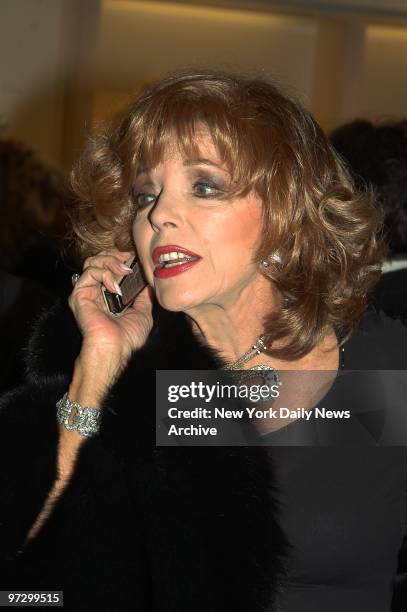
<point x="108" y="341"/>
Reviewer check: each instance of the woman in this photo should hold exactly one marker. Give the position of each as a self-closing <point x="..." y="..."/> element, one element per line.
<point x="245" y="225"/>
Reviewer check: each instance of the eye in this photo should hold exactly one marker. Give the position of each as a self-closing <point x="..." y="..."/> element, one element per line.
<point x="206" y="190"/>
<point x="144" y="199"/>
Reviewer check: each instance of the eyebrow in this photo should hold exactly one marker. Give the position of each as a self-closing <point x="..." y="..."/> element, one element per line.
<point x="188" y="163"/>
<point x="143" y="170"/>
<point x="202" y="161"/>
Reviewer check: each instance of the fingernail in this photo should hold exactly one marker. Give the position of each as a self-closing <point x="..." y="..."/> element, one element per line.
<point x="118" y="290"/>
<point x="125" y="268"/>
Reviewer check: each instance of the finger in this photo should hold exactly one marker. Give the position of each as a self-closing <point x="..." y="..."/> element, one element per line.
<point x="89" y="294"/>
<point x="108" y="262"/>
<point x="121" y="255"/>
<point x="100" y="258"/>
<point x="94" y="276"/>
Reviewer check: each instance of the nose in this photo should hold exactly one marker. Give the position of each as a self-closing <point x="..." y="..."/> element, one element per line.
<point x="166" y="212"/>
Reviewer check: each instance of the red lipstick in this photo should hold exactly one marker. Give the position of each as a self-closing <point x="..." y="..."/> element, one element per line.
<point x="171" y="260"/>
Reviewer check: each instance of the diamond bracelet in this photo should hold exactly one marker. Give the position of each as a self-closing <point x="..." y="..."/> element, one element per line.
<point x="86" y="421"/>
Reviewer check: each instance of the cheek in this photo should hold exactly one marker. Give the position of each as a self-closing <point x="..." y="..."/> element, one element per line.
<point x="237" y="235"/>
<point x="141" y="239"/>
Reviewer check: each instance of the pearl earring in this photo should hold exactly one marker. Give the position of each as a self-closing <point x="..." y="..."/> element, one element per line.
<point x="274" y="257"/>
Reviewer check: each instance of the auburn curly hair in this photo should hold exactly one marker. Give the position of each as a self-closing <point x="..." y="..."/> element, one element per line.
<point x="320" y="235"/>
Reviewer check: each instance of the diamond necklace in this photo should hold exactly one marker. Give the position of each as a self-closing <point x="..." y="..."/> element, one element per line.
<point x="258" y="347"/>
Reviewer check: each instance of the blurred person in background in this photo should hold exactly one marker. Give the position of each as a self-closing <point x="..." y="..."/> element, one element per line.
<point x="33" y="199"/>
<point x="376" y="156"/>
<point x="249" y="233"/>
<point x="33" y="195"/>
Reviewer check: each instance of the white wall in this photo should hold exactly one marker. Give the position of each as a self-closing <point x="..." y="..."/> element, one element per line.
<point x="30" y="88"/>
<point x="46" y="49"/>
<point x="341" y="69"/>
<point x="385" y="72"/>
<point x="140" y="40"/>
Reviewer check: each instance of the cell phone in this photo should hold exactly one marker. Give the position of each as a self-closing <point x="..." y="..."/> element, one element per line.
<point x="130" y="285"/>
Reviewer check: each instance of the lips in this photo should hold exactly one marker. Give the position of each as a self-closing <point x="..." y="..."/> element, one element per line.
<point x="170" y="248"/>
<point x="180" y="261"/>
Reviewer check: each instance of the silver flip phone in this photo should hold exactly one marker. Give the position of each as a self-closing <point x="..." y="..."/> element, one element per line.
<point x="130" y="285"/>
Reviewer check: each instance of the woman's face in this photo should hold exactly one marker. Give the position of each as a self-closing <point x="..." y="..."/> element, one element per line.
<point x="183" y="215"/>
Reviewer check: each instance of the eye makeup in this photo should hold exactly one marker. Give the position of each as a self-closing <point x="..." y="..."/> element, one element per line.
<point x="206" y="183"/>
<point x="144" y="193"/>
<point x="143" y="199"/>
<point x="216" y="185"/>
<point x="207" y="190"/>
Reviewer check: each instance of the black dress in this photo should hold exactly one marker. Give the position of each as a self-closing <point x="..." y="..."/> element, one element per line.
<point x="144" y="528"/>
<point x="343" y="506"/>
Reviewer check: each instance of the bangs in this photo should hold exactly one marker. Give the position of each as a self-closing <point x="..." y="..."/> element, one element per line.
<point x="167" y="124"/>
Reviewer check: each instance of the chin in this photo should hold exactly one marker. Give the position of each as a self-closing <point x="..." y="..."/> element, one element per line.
<point x="177" y="302"/>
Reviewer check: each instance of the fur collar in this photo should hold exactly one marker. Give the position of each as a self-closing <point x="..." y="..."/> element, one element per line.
<point x="208" y="513"/>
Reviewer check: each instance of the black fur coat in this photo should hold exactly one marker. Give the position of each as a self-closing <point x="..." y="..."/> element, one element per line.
<point x="140" y="527"/>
